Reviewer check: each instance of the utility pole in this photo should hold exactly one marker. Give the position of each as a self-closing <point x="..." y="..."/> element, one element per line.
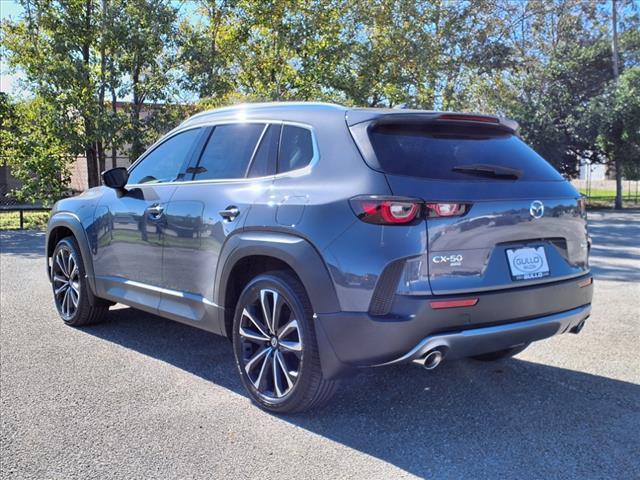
<point x="616" y="72"/>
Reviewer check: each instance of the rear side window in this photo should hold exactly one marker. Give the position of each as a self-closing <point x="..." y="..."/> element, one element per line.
<point x="228" y="151"/>
<point x="296" y="148"/>
<point x="441" y="151"/>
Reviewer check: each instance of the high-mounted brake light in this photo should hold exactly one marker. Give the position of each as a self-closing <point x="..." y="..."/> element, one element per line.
<point x="385" y="210"/>
<point x="468" y="118"/>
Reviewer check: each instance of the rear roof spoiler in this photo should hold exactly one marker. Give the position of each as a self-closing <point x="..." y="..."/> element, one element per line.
<point x="386" y="116"/>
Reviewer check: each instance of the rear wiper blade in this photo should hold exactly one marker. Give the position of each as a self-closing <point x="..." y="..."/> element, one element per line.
<point x="496" y="171"/>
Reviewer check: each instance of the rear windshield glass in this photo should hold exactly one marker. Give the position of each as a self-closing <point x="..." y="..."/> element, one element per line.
<point x="442" y="151"/>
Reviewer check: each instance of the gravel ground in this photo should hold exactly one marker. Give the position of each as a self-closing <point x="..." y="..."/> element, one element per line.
<point x="142" y="397"/>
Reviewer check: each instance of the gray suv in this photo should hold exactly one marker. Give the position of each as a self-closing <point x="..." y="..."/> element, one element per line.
<point x="322" y="240"/>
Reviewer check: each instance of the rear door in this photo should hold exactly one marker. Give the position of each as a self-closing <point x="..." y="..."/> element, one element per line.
<point x="497" y="214"/>
<point x="235" y="168"/>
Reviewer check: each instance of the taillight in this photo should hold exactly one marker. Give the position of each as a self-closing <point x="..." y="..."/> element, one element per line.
<point x="383" y="210"/>
<point x="386" y="210"/>
<point x="445" y="209"/>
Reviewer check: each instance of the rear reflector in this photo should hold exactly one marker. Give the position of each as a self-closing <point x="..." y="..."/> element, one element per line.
<point x="586" y="282"/>
<point x="467" y="302"/>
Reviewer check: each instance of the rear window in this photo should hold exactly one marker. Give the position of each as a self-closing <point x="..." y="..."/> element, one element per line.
<point x="435" y="151"/>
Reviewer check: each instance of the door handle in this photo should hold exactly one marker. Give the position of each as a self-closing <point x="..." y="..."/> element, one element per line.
<point x="155" y="211"/>
<point x="229" y="213"/>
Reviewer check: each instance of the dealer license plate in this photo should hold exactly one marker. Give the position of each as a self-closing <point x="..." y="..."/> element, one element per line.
<point x="527" y="263"/>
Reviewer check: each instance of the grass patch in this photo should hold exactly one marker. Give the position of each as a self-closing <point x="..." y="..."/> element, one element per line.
<point x="32" y="220"/>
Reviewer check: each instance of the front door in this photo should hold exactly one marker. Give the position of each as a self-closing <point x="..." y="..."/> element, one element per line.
<point x="128" y="257"/>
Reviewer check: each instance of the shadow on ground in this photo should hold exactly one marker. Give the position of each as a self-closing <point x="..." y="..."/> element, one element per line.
<point x="466" y="417"/>
<point x="26" y="243"/>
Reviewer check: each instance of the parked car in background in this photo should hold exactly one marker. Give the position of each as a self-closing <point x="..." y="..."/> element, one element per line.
<point x="322" y="240"/>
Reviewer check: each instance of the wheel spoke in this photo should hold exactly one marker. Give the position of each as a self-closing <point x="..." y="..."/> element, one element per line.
<point x="255" y="359"/>
<point x="289" y="328"/>
<point x="277" y="382"/>
<point x="60" y="262"/>
<point x="283" y="366"/>
<point x="263" y="368"/>
<point x="291" y="346"/>
<point x="74" y="297"/>
<point x="70" y="264"/>
<point x="59" y="279"/>
<point x="261" y="335"/>
<point x="61" y="289"/>
<point x="268" y="310"/>
<point x="65" y="303"/>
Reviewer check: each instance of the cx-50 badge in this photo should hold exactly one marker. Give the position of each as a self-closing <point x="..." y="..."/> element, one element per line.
<point x="454" y="260"/>
<point x="536" y="210"/>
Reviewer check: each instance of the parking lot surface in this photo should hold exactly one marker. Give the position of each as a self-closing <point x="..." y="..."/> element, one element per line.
<point x="143" y="397"/>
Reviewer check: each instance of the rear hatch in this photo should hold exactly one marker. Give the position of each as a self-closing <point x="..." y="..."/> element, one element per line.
<point x="497" y="214"/>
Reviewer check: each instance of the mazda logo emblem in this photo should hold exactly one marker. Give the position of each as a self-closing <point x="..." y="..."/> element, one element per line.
<point x="536" y="209"/>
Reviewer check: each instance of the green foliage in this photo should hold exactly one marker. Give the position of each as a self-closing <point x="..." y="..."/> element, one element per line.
<point x="545" y="63"/>
<point x="34" y="146"/>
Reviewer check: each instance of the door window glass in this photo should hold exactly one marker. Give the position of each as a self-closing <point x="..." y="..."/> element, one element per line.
<point x="264" y="161"/>
<point x="164" y="163"/>
<point x="228" y="151"/>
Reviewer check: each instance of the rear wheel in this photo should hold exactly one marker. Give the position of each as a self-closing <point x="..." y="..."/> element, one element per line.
<point x="275" y="345"/>
<point x="500" y="354"/>
<point x="70" y="289"/>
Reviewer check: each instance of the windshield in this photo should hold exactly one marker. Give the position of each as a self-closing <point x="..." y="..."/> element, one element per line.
<point x="451" y="152"/>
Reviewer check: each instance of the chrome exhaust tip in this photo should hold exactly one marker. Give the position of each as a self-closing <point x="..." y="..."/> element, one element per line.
<point x="432" y="359"/>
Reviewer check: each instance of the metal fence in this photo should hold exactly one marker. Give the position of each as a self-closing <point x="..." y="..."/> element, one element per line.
<point x="21" y="209"/>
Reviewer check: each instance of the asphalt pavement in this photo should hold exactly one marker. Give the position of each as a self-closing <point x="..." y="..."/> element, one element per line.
<point x="143" y="397"/>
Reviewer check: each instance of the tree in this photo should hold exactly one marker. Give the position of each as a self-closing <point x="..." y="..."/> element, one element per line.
<point x="146" y="61"/>
<point x="615" y="117"/>
<point x="52" y="44"/>
<point x="35" y="145"/>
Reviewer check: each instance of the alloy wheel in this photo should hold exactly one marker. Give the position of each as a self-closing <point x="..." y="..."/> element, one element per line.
<point x="66" y="282"/>
<point x="271" y="345"/>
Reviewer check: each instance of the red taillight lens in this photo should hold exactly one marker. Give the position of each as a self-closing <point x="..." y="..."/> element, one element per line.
<point x="445" y="209"/>
<point x="386" y="210"/>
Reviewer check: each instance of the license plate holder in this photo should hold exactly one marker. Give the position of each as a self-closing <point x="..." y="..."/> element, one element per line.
<point x="527" y="263"/>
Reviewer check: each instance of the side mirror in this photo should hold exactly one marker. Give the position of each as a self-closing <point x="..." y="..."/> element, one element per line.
<point x="115" y="178"/>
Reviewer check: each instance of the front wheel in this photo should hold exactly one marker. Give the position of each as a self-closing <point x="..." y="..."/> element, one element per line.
<point x="275" y="345"/>
<point x="70" y="289"/>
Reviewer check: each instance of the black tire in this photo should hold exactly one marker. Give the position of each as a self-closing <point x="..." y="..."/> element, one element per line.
<point x="81" y="312"/>
<point x="309" y="389"/>
<point x="500" y="354"/>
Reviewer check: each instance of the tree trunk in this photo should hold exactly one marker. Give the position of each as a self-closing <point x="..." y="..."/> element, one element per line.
<point x="616" y="72"/>
<point x="618" y="203"/>
<point x="89" y="130"/>
<point x="114" y="147"/>
<point x="136" y="144"/>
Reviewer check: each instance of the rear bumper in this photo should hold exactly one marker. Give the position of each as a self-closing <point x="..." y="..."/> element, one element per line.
<point x="481" y="340"/>
<point x="499" y="320"/>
